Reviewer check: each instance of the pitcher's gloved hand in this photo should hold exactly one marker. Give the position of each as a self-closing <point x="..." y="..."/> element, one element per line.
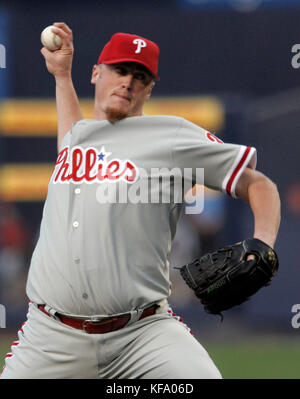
<point x="225" y="278"/>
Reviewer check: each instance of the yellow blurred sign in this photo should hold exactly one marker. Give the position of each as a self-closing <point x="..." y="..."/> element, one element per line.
<point x="38" y="117"/>
<point x="24" y="182"/>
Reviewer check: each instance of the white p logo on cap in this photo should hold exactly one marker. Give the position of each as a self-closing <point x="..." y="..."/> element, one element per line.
<point x="140" y="44"/>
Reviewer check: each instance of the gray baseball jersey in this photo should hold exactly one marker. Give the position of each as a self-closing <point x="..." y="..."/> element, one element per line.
<point x="97" y="255"/>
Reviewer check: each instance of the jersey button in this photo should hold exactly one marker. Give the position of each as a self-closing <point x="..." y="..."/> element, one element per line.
<point x="85" y="295"/>
<point x="77" y="190"/>
<point x="77" y="260"/>
<point x="75" y="224"/>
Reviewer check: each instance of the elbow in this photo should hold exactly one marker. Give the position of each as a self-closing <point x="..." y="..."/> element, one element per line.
<point x="265" y="187"/>
<point x="254" y="184"/>
<point x="272" y="186"/>
<point x="261" y="181"/>
<point x="264" y="183"/>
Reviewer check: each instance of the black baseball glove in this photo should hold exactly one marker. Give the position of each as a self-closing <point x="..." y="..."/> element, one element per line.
<point x="224" y="278"/>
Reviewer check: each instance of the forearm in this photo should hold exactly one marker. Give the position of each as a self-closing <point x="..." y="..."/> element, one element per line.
<point x="264" y="201"/>
<point x="68" y="107"/>
<point x="262" y="195"/>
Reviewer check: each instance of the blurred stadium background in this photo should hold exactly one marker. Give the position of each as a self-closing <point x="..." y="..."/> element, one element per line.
<point x="226" y="65"/>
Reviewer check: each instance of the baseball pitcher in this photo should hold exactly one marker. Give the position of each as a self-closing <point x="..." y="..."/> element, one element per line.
<point x="98" y="281"/>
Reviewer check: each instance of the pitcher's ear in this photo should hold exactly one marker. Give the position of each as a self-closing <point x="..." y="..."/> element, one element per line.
<point x="150" y="89"/>
<point x="95" y="74"/>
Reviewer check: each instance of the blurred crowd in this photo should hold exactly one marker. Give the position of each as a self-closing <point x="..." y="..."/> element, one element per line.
<point x="196" y="234"/>
<point x="16" y="243"/>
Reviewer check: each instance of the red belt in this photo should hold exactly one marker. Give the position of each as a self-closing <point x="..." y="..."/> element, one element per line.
<point x="99" y="327"/>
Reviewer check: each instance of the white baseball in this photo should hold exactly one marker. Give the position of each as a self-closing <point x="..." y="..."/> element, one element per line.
<point x="49" y="39"/>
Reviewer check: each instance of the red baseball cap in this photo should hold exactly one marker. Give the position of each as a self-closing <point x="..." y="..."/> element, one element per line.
<point x="124" y="47"/>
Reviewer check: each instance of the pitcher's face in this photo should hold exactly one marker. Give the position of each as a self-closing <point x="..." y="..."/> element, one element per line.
<point x="121" y="90"/>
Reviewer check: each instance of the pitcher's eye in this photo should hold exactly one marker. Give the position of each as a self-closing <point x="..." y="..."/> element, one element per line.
<point x="121" y="70"/>
<point x="143" y="77"/>
<point x="140" y="76"/>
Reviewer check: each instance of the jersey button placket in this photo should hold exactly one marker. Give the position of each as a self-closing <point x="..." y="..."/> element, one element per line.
<point x="75" y="224"/>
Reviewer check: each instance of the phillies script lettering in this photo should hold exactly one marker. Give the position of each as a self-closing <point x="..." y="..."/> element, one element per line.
<point x="89" y="166"/>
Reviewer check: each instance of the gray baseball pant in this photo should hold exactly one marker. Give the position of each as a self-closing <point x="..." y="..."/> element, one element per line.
<point x="156" y="347"/>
